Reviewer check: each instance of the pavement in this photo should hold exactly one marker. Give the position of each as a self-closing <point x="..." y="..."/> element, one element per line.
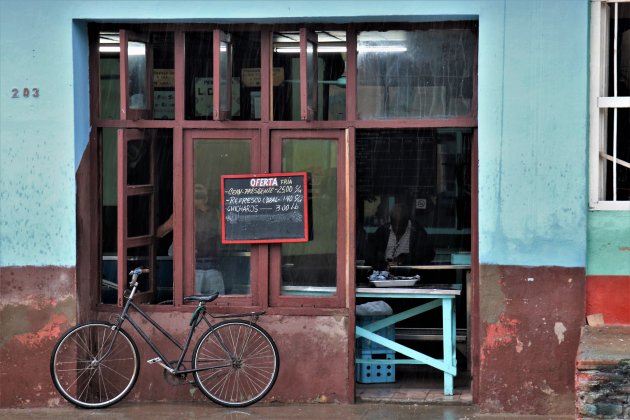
<point x="276" y="411"/>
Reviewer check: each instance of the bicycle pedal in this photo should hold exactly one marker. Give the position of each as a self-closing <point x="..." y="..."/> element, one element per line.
<point x="154" y="360"/>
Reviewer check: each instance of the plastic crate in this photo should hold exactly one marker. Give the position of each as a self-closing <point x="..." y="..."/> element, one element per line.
<point x="363" y="344"/>
<point x="376" y="373"/>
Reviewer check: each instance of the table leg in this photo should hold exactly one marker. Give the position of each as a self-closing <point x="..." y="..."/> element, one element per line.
<point x="448" y="326"/>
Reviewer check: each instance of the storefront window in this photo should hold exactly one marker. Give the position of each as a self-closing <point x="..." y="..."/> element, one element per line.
<point x="331" y="75"/>
<point x="241" y="56"/>
<point x="275" y="89"/>
<point x="415" y="74"/>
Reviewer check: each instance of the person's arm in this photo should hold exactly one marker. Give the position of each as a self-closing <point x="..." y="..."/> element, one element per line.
<point x="165" y="228"/>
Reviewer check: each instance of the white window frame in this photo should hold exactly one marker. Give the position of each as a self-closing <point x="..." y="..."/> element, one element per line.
<point x="601" y="10"/>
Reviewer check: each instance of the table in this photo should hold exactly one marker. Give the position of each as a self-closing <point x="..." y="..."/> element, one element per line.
<point x="443" y="296"/>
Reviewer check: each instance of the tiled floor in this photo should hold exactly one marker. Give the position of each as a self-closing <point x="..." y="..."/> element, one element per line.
<point x="417" y="384"/>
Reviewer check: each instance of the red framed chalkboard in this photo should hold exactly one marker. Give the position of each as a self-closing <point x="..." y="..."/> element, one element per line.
<point x="265" y="208"/>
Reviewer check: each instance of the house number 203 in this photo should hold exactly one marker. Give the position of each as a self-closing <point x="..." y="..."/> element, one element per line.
<point x="25" y="93"/>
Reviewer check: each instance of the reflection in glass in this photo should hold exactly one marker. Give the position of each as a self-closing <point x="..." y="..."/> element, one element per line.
<point x="218" y="267"/>
<point x="109" y="72"/>
<point x="314" y="263"/>
<point x="311" y="78"/>
<point x="137" y="61"/>
<point x="224" y="60"/>
<point x="286" y="64"/>
<point x="415" y="74"/>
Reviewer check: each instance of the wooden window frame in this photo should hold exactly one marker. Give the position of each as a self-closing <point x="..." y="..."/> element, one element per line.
<point x="275" y="276"/>
<point x="258" y="277"/>
<point x="265" y="127"/>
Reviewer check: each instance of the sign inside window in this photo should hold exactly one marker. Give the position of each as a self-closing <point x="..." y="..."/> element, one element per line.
<point x="265" y="208"/>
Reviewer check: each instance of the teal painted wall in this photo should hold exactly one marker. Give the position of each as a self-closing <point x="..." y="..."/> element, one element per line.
<point x="608" y="243"/>
<point x="532" y="115"/>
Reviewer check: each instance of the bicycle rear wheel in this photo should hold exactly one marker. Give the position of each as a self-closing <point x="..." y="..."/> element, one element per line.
<point x="88" y="375"/>
<point x="240" y="362"/>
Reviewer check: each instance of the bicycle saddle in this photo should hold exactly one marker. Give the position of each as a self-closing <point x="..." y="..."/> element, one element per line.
<point x="202" y="298"/>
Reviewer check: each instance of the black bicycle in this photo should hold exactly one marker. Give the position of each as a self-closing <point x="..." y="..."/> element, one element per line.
<point x="235" y="362"/>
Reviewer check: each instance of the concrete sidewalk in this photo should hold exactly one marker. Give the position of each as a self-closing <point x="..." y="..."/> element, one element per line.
<point x="207" y="410"/>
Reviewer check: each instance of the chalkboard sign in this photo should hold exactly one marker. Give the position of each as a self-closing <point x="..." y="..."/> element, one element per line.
<point x="265" y="208"/>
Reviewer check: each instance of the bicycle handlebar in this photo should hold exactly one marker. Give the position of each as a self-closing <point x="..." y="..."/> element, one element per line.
<point x="138" y="270"/>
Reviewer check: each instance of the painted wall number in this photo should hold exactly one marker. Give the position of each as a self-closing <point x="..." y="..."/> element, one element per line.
<point x="26" y="92"/>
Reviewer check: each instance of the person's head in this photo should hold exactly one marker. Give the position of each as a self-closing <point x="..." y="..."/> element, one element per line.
<point x="201" y="197"/>
<point x="400" y="217"/>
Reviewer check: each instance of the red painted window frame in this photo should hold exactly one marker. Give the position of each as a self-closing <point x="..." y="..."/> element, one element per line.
<point x="276" y="298"/>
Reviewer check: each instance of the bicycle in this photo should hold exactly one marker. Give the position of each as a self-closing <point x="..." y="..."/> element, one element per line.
<point x="235" y="362"/>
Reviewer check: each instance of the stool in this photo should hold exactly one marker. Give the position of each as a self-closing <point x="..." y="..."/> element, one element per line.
<point x="379" y="370"/>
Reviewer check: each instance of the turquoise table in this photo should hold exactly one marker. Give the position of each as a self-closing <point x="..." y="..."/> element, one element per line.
<point x="444" y="297"/>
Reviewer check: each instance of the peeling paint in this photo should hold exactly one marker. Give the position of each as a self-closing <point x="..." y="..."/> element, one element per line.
<point x="502" y="332"/>
<point x="559" y="329"/>
<point x="51" y="331"/>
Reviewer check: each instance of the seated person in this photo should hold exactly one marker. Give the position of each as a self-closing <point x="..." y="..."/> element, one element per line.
<point x="400" y="242"/>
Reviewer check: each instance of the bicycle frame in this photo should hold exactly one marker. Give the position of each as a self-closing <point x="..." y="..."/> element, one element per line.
<point x="198" y="315"/>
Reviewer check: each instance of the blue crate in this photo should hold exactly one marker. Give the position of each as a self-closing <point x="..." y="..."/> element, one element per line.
<point x="363" y="344"/>
<point x="376" y="373"/>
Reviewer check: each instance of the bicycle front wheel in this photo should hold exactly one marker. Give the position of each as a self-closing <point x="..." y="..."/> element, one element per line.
<point x="93" y="366"/>
<point x="238" y="363"/>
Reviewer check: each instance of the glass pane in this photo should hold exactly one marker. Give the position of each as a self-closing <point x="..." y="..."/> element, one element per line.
<point x="218" y="267"/>
<point x="225" y="52"/>
<point x="246" y="79"/>
<point x="163" y="48"/>
<point x="415" y="74"/>
<point x="311" y="54"/>
<point x="109" y="215"/>
<point x="109" y="62"/>
<point x="199" y="75"/>
<point x="413" y="200"/>
<point x="286" y="68"/>
<point x="621" y="173"/>
<point x="311" y="267"/>
<point x="163" y="146"/>
<point x="331" y="69"/>
<point x="137" y="59"/>
<point x="138" y="211"/>
<point x="139" y="161"/>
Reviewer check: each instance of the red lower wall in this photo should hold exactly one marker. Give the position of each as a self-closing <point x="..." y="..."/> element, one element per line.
<point x="529" y="330"/>
<point x="39" y="304"/>
<point x="609" y="296"/>
<point x="528" y="325"/>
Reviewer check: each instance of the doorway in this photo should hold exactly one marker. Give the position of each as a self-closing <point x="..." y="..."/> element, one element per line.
<point x="414" y="200"/>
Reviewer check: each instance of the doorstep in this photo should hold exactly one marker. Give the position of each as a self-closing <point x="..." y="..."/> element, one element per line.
<point x="602" y="375"/>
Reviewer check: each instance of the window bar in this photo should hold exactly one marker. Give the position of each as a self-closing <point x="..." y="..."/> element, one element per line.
<point x="615" y="109"/>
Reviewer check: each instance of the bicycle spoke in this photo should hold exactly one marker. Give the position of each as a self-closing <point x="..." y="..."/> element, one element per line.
<point x="252" y="366"/>
<point x="94" y="365"/>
